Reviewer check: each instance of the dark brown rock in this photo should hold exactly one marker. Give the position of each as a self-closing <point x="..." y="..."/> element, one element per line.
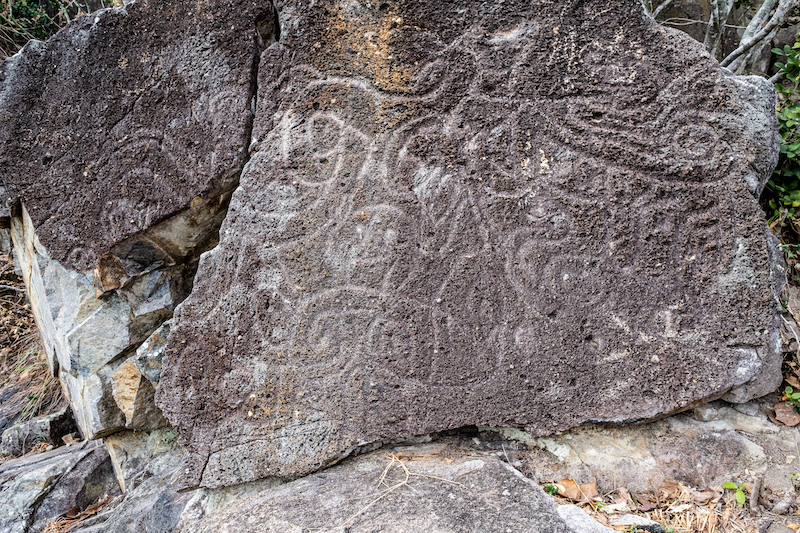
<point x="126" y="116"/>
<point x="532" y="214"/>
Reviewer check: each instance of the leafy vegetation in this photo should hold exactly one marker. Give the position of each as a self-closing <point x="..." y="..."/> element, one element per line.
<point x="550" y="488"/>
<point x="738" y="491"/>
<point x="23" y="20"/>
<point x="783" y="190"/>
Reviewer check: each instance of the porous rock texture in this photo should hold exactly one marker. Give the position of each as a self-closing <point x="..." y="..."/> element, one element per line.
<point x="533" y="214"/>
<point x="126" y="116"/>
<point x="121" y="139"/>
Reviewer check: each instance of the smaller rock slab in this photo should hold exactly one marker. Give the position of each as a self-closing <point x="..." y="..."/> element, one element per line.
<point x="707" y="446"/>
<point x="38" y="488"/>
<point x="125" y="117"/>
<point x="21" y="438"/>
<point x="415" y="488"/>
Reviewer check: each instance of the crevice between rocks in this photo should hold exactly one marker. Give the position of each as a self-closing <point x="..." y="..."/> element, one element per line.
<point x="268" y="32"/>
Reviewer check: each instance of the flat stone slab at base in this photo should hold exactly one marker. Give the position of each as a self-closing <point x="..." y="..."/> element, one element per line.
<point x="534" y="214"/>
<point x="403" y="490"/>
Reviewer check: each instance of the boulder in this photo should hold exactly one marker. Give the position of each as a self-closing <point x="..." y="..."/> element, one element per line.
<point x="527" y="214"/>
<point x="405" y="489"/>
<point x="121" y="139"/>
<point x="37" y="489"/>
<point x="125" y="118"/>
<point x="22" y="436"/>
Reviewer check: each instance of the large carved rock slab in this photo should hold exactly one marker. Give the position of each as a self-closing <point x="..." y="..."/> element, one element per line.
<point x="125" y="117"/>
<point x="534" y="214"/>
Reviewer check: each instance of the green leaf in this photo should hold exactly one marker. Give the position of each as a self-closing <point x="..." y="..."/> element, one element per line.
<point x="778" y="51"/>
<point x="740" y="497"/>
<point x="731" y="484"/>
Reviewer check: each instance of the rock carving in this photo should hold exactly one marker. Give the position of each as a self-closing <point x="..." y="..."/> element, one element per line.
<point x="533" y="214"/>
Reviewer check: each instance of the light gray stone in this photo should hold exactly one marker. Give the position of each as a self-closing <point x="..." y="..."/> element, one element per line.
<point x="379" y="492"/>
<point x="39" y="487"/>
<point x="149" y="355"/>
<point x="84" y="331"/>
<point x="149" y="465"/>
<point x="137" y="454"/>
<point x="708" y="446"/>
<point x="579" y="521"/>
<point x="21" y="437"/>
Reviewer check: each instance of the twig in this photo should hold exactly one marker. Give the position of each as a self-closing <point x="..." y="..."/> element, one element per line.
<point x="664" y="5"/>
<point x="777" y="19"/>
<point x="755" y="493"/>
<point x="10" y="288"/>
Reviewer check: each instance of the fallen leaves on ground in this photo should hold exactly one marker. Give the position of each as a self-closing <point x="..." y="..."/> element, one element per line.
<point x="786" y="414"/>
<point x="75" y="516"/>
<point x="579" y="493"/>
<point x="685" y="509"/>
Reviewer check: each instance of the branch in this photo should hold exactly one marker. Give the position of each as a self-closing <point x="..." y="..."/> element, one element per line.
<point x="777" y="19"/>
<point x="664" y="5"/>
<point x="720" y="9"/>
<point x="758" y="19"/>
<point x="741" y="62"/>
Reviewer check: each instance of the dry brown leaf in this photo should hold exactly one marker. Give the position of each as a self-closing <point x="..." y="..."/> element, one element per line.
<point x="589" y="490"/>
<point x="785" y="413"/>
<point x="671" y="490"/>
<point x="792" y="380"/>
<point x="579" y="493"/>
<point x="703" y="496"/>
<point x="73" y="517"/>
<point x="793" y="526"/>
<point x="569" y="489"/>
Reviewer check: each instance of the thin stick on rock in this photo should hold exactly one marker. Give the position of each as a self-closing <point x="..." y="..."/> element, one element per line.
<point x="757" y="481"/>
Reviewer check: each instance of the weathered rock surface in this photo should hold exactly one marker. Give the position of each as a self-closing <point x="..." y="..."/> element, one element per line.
<point x="146" y="464"/>
<point x="707" y="446"/>
<point x="87" y="335"/>
<point x="21" y="437"/>
<point x="121" y="159"/>
<point x="532" y="214"/>
<point x="125" y="118"/>
<point x="37" y="489"/>
<point x="378" y="492"/>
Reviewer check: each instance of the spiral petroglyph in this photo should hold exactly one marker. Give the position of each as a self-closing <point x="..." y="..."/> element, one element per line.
<point x="519" y="215"/>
